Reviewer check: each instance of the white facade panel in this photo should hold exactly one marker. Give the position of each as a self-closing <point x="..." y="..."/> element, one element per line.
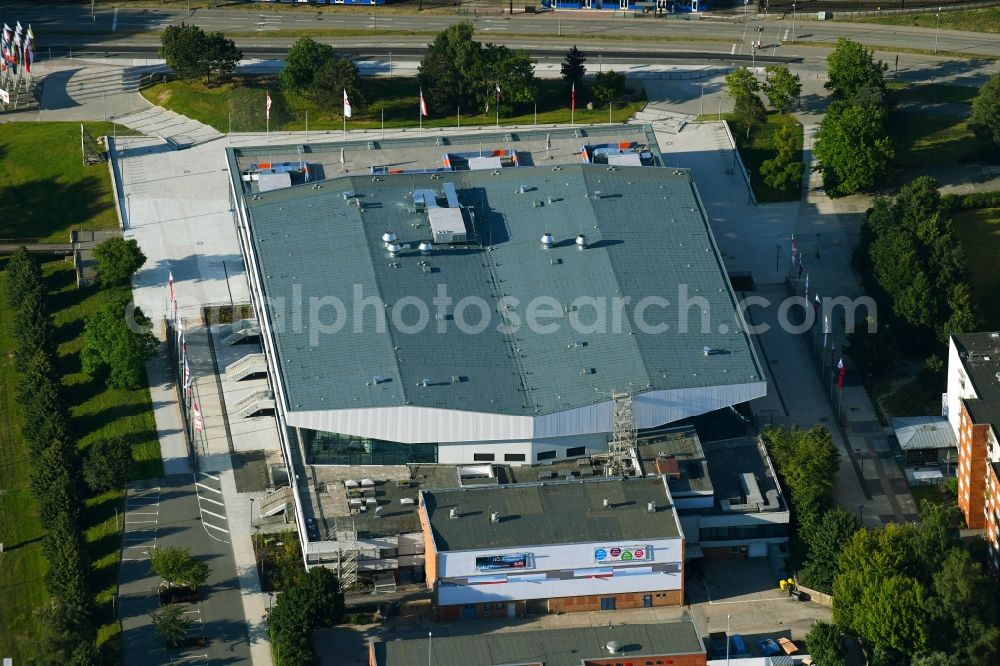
<point x="745" y="519"/>
<point x="410" y="424"/>
<point x="956" y="391"/>
<point x="562" y="557"/>
<point x="456" y="453"/>
<point x="448" y="595"/>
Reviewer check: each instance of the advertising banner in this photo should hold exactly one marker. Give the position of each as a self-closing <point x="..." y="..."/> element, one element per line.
<point x="621" y="554"/>
<point x="500" y="562"/>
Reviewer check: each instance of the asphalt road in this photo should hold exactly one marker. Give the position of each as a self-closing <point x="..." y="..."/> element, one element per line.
<point x="63" y="27"/>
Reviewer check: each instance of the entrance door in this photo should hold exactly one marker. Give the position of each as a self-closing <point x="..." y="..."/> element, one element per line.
<point x="511" y="609"/>
<point x="469" y="612"/>
<point x="647" y="601"/>
<point x="608" y="603"/>
<point x="623" y="4"/>
<point x="586" y="4"/>
<point x="694" y="5"/>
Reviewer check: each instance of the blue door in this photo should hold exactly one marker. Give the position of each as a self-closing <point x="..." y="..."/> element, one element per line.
<point x="469" y="612"/>
<point x="647" y="601"/>
<point x="608" y="604"/>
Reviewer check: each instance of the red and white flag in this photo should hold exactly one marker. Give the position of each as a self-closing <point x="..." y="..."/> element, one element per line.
<point x="498" y="95"/>
<point x="170" y="283"/>
<point x="187" y="374"/>
<point x="347" y="105"/>
<point x="572" y="98"/>
<point x="423" y="105"/>
<point x="267" y="110"/>
<point x="840" y="373"/>
<point x="199" y="423"/>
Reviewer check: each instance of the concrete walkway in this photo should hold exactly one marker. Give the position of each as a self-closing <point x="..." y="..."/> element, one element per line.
<point x="181" y="131"/>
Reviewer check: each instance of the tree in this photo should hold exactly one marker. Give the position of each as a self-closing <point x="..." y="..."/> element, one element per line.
<point x="305" y="59"/>
<point x="784" y="170"/>
<point x="62" y="629"/>
<point x="118" y="260"/>
<point x="24" y="276"/>
<point x="512" y="71"/>
<point x="60" y="498"/>
<point x="333" y="78"/>
<point x="807" y="462"/>
<point x="221" y="56"/>
<point x="66" y="577"/>
<point x="965" y="614"/>
<point x="177" y="568"/>
<point x="853" y="148"/>
<point x="829" y="538"/>
<point x="851" y="68"/>
<point x="184" y="47"/>
<point x="608" y="86"/>
<point x="448" y="68"/>
<point x="110" y="344"/>
<point x="781" y="87"/>
<point x="985" y="118"/>
<point x="574" y="66"/>
<point x="315" y="603"/>
<point x="171" y="623"/>
<point x="107" y="464"/>
<point x="825" y="643"/>
<point x="742" y="84"/>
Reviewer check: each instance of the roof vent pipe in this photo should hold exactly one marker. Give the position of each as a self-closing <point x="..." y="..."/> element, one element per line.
<point x="581" y="242"/>
<point x="453" y="513"/>
<point x="607" y="503"/>
<point x="651" y="507"/>
<point x="548" y="241"/>
<point x="394" y="248"/>
<point x="425" y="247"/>
<point x="494" y="517"/>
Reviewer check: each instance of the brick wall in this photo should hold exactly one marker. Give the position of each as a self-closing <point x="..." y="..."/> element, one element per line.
<point x="673" y="660"/>
<point x="430" y="550"/>
<point x="624" y="600"/>
<point x="990" y="513"/>
<point x="971" y="469"/>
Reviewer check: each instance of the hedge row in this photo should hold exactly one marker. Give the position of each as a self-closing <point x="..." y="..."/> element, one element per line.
<point x="952" y="202"/>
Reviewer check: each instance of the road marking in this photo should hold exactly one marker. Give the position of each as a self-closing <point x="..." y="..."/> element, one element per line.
<point x="114" y="21"/>
<point x="206" y="499"/>
<point x="209" y="475"/>
<point x="215" y="527"/>
<point x="217" y="515"/>
<point x="144" y="513"/>
<point x="202" y="485"/>
<point x="138" y="522"/>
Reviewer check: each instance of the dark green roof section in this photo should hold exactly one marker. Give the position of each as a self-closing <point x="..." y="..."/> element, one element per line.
<point x="647" y="236"/>
<point x="552" y="647"/>
<point x="556" y="512"/>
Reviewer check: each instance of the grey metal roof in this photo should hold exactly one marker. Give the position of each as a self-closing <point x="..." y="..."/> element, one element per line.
<point x="551" y="513"/>
<point x="923" y="432"/>
<point x="552" y="647"/>
<point x="648" y="235"/>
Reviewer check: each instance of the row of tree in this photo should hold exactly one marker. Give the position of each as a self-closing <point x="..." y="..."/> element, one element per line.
<point x="66" y="632"/>
<point x="314" y="71"/>
<point x="921" y="285"/>
<point x="912" y="594"/>
<point x="853" y="145"/>
<point x="194" y="54"/>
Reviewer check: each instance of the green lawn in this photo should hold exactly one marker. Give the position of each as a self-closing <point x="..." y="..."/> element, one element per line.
<point x="923" y="139"/>
<point x="97" y="412"/>
<point x="760" y="147"/>
<point x="971" y="20"/>
<point x="47" y="189"/>
<point x="397" y="97"/>
<point x="979" y="232"/>
<point x="933" y="93"/>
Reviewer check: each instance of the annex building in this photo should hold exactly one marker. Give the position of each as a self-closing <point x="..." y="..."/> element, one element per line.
<point x="449" y="303"/>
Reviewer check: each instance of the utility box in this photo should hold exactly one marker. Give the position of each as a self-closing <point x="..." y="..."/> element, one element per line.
<point x="824" y="16"/>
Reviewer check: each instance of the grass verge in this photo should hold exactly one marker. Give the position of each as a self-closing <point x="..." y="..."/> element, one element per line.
<point x="923" y="139"/>
<point x="971" y="20"/>
<point x="979" y="233"/>
<point x="396" y="97"/>
<point x="43" y="172"/>
<point x="932" y="93"/>
<point x="758" y="147"/>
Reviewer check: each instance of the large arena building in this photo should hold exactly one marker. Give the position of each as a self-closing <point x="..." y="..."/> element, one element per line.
<point x="567" y="282"/>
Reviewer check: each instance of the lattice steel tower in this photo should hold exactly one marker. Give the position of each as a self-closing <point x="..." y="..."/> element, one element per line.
<point x="623" y="437"/>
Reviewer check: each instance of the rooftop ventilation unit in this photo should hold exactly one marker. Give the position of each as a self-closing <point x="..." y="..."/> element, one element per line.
<point x="453" y="512"/>
<point x="651" y="507"/>
<point x="581" y="242"/>
<point x="388" y="237"/>
<point x="425" y="382"/>
<point x="606" y="503"/>
<point x="547" y="240"/>
<point x="394" y="248"/>
<point x="494" y="517"/>
<point x="425" y="247"/>
<point x="613" y="647"/>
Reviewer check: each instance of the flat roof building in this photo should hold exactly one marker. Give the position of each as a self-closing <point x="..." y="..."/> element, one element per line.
<point x="554" y="546"/>
<point x="676" y="643"/>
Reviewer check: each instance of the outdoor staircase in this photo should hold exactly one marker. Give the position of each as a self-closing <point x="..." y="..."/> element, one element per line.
<point x="251" y="364"/>
<point x="253" y="403"/>
<point x="242" y="330"/>
<point x="275" y="502"/>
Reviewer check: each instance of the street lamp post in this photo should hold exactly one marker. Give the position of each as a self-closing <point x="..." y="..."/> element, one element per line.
<point x="793" y="20"/>
<point x="937" y="30"/>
